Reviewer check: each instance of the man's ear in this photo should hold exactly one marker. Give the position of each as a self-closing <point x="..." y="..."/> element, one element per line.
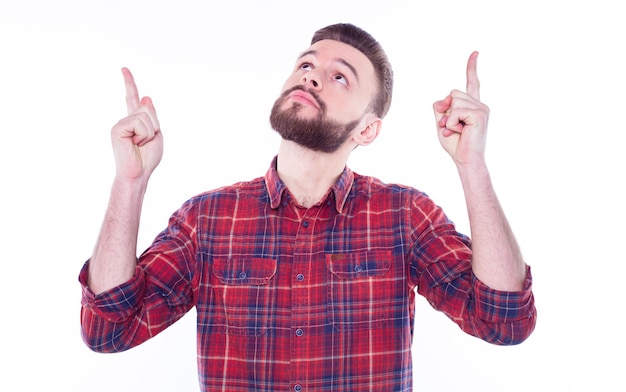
<point x="371" y="131"/>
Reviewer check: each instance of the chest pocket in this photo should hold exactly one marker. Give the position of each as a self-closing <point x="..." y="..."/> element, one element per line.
<point x="244" y="298"/>
<point x="359" y="289"/>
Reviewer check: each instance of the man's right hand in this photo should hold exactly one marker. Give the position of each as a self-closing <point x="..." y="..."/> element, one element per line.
<point x="137" y="139"/>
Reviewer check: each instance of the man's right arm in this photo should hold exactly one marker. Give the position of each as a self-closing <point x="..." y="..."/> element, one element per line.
<point x="138" y="147"/>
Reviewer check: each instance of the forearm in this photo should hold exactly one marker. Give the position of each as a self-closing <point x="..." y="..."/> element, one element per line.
<point x="496" y="257"/>
<point x="114" y="257"/>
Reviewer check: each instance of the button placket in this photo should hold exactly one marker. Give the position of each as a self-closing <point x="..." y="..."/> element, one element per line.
<point x="304" y="248"/>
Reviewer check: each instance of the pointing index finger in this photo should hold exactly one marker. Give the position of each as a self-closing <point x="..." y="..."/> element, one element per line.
<point x="473" y="84"/>
<point x="132" y="95"/>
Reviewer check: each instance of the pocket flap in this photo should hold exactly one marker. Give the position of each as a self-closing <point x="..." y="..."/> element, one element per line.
<point x="249" y="271"/>
<point x="359" y="265"/>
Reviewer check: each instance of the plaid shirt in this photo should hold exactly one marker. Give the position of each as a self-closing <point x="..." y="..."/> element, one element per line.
<point x="304" y="299"/>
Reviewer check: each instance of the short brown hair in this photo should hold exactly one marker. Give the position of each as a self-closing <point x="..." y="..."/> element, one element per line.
<point x="366" y="44"/>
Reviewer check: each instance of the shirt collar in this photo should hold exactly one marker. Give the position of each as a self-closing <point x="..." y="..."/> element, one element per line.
<point x="276" y="188"/>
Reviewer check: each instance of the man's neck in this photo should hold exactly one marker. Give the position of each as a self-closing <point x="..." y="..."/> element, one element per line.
<point x="308" y="174"/>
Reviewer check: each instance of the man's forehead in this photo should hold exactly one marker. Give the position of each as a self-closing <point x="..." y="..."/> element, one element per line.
<point x="340" y="52"/>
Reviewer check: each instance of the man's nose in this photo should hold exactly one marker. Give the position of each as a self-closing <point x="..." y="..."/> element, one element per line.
<point x="311" y="80"/>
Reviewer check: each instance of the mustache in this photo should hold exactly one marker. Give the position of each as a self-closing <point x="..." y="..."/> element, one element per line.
<point x="315" y="96"/>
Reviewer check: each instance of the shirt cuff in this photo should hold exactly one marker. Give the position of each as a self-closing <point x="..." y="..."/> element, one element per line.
<point x="498" y="306"/>
<point x="116" y="304"/>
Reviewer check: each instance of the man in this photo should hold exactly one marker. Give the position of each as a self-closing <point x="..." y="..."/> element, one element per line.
<point x="305" y="279"/>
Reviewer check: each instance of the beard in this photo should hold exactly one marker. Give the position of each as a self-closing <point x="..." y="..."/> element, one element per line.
<point x="318" y="134"/>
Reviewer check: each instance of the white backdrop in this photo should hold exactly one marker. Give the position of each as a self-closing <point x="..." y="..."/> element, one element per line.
<point x="552" y="73"/>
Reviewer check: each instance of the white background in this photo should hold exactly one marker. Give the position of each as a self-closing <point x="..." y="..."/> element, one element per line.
<point x="552" y="73"/>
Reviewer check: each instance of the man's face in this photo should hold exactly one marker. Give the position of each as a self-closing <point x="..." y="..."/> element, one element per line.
<point x="326" y="97"/>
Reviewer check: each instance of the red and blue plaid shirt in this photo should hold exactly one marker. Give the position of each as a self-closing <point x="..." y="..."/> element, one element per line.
<point x="304" y="299"/>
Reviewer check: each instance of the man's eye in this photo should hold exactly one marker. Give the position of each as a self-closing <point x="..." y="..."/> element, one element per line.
<point x="306" y="67"/>
<point x="341" y="79"/>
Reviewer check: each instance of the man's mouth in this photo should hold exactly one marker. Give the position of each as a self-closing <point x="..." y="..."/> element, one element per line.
<point x="305" y="98"/>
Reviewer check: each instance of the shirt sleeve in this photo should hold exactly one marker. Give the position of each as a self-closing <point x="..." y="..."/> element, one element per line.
<point x="441" y="267"/>
<point x="116" y="304"/>
<point x="160" y="292"/>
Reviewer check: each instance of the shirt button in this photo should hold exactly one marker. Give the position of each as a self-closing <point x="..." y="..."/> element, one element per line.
<point x="299" y="332"/>
<point x="300" y="277"/>
<point x="358" y="268"/>
<point x="297" y="387"/>
<point x="305" y="224"/>
<point x="242" y="275"/>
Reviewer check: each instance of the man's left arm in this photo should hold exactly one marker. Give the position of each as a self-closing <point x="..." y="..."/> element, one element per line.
<point x="462" y="130"/>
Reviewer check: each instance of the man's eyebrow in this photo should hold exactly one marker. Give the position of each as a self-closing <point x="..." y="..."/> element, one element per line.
<point x="339" y="60"/>
<point x="308" y="52"/>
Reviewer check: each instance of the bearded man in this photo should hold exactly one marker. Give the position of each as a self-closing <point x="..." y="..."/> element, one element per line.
<point x="305" y="279"/>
